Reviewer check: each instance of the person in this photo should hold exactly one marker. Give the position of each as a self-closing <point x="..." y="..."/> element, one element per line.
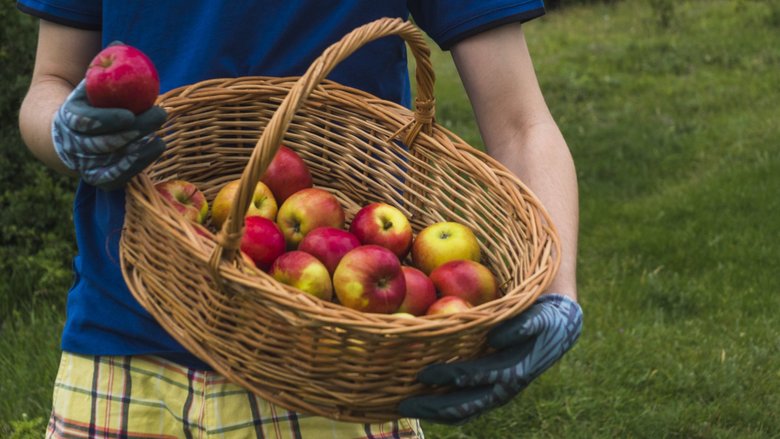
<point x="121" y="374"/>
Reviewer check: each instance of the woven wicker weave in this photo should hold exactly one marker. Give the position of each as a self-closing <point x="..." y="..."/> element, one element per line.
<point x="290" y="348"/>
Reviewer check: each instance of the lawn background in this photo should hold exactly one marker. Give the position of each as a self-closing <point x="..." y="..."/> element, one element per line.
<point x="671" y="111"/>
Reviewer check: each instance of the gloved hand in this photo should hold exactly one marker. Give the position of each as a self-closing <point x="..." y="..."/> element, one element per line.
<point x="107" y="146"/>
<point x="526" y="346"/>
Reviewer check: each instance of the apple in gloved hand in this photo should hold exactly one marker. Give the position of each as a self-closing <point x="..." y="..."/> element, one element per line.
<point x="122" y="76"/>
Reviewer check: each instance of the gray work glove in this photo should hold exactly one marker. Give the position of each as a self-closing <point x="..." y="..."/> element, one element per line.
<point x="106" y="146"/>
<point x="526" y="346"/>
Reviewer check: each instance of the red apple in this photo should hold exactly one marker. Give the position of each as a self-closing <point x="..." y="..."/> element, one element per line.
<point x="121" y="76"/>
<point x="420" y="292"/>
<point x="305" y="272"/>
<point x="287" y="174"/>
<point x="329" y="245"/>
<point x="443" y="242"/>
<point x="262" y="241"/>
<point x="263" y="202"/>
<point x="185" y="197"/>
<point x="306" y="210"/>
<point x="385" y="225"/>
<point x="369" y="278"/>
<point x="469" y="280"/>
<point x="448" y="305"/>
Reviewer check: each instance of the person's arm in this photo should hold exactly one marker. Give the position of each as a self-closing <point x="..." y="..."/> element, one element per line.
<point x="61" y="61"/>
<point x="519" y="131"/>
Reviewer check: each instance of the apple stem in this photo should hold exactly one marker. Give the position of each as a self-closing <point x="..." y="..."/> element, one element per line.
<point x="188" y="197"/>
<point x="106" y="61"/>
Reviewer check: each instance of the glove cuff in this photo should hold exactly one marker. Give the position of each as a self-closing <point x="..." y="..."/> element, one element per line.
<point x="572" y="312"/>
<point x="58" y="140"/>
<point x="555" y="298"/>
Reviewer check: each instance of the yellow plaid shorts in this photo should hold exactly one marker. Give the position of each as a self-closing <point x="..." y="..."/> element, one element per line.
<point x="150" y="397"/>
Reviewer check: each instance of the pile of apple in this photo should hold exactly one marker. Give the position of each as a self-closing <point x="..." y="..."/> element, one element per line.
<point x="296" y="233"/>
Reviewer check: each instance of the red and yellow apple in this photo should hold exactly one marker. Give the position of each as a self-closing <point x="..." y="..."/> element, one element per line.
<point x="304" y="272"/>
<point x="369" y="279"/>
<point x="122" y="76"/>
<point x="262" y="241"/>
<point x="185" y="197"/>
<point x="286" y="174"/>
<point x="443" y="242"/>
<point x="262" y="203"/>
<point x="329" y="245"/>
<point x="385" y="225"/>
<point x="448" y="305"/>
<point x="306" y="210"/>
<point x="464" y="278"/>
<point x="420" y="292"/>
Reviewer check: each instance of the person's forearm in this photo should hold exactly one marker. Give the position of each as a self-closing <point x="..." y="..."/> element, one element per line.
<point x="541" y="159"/>
<point x="43" y="99"/>
<point x="61" y="60"/>
<point x="519" y="131"/>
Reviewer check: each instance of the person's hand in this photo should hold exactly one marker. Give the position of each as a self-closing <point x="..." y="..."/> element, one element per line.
<point x="526" y="346"/>
<point x="106" y="146"/>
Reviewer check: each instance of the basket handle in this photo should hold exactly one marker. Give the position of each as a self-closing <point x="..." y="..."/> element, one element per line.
<point x="229" y="238"/>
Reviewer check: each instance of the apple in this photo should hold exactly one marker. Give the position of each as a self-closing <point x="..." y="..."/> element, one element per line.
<point x="262" y="241"/>
<point x="304" y="272"/>
<point x="448" y="305"/>
<point x="443" y="242"/>
<point x="329" y="245"/>
<point x="385" y="225"/>
<point x="263" y="202"/>
<point x="286" y="174"/>
<point x="369" y="278"/>
<point x="420" y="292"/>
<point x="404" y="315"/>
<point x="306" y="210"/>
<point x="469" y="280"/>
<point x="185" y="197"/>
<point x="122" y="76"/>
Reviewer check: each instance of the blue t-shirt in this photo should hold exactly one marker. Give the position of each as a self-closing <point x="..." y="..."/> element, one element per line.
<point x="194" y="40"/>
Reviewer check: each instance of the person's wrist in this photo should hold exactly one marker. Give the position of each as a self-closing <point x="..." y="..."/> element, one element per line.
<point x="57" y="138"/>
<point x="569" y="295"/>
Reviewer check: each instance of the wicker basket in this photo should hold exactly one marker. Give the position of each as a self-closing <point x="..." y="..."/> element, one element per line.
<point x="290" y="348"/>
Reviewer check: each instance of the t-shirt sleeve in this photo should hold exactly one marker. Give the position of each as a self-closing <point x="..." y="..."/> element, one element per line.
<point x="449" y="21"/>
<point x="81" y="14"/>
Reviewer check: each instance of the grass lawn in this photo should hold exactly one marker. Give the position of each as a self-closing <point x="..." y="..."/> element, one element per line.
<point x="671" y="115"/>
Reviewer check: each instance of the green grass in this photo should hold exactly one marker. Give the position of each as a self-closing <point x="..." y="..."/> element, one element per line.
<point x="29" y="356"/>
<point x="672" y="121"/>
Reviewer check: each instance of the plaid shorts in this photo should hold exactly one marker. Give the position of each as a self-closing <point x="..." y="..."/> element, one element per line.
<point x="149" y="397"/>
